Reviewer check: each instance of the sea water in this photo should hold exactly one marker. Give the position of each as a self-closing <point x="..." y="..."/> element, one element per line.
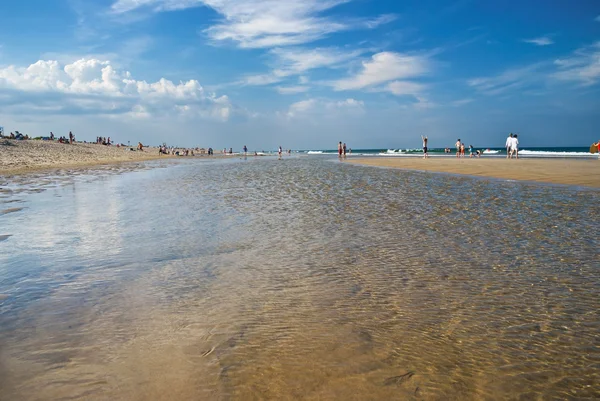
<point x="527" y="152"/>
<point x="305" y="278"/>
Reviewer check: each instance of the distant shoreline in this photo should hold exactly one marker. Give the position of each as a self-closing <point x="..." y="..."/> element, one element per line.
<point x="583" y="172"/>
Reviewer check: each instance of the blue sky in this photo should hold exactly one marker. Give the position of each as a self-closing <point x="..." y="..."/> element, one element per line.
<point x="303" y="74"/>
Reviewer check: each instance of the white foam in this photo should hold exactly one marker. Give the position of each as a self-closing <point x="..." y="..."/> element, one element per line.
<point x="491" y="152"/>
<point x="315" y="152"/>
<point x="525" y="152"/>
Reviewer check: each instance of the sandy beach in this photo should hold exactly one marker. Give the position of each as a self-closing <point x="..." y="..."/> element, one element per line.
<point x="555" y="171"/>
<point x="18" y="157"/>
<point x="307" y="278"/>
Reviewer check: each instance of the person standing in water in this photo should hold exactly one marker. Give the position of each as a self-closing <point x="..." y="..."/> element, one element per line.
<point x="457" y="144"/>
<point x="340" y="149"/>
<point x="425" y="154"/>
<point x="245" y="150"/>
<point x="279" y="152"/>
<point x="344" y="150"/>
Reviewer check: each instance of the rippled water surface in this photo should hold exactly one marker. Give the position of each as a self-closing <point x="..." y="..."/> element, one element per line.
<point x="296" y="279"/>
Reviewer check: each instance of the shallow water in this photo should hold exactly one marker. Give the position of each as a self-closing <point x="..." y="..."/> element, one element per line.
<point x="297" y="279"/>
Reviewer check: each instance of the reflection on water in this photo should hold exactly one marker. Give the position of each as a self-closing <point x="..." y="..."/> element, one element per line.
<point x="301" y="279"/>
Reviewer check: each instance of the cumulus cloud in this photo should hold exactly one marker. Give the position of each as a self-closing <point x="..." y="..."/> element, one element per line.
<point x="541" y="41"/>
<point x="582" y="66"/>
<point x="324" y="106"/>
<point x="263" y="23"/>
<point x="95" y="86"/>
<point x="384" y="67"/>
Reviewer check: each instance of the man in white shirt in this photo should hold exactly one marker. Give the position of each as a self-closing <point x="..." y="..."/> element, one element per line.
<point x="508" y="145"/>
<point x="514" y="147"/>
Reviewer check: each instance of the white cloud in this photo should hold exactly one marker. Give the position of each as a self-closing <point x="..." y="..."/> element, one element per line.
<point x="400" y="88"/>
<point x="301" y="106"/>
<point x="291" y="90"/>
<point x="541" y="41"/>
<point x="320" y="106"/>
<point x="263" y="23"/>
<point x="95" y="86"/>
<point x="582" y="66"/>
<point x="384" y="67"/>
<point x="381" y="20"/>
<point x="123" y="6"/>
<point x="350" y="103"/>
<point x="509" y="79"/>
<point x="261" y="79"/>
<point x="295" y="61"/>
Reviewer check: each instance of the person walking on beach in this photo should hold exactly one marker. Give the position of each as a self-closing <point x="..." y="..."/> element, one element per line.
<point x="508" y="145"/>
<point x="457" y="144"/>
<point x="245" y="150"/>
<point x="514" y="147"/>
<point x="425" y="154"/>
<point x="344" y="150"/>
<point x="70" y="137"/>
<point x="340" y="149"/>
<point x="279" y="152"/>
<point x="471" y="150"/>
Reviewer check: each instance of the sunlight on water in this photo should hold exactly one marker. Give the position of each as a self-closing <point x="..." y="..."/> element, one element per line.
<point x="296" y="279"/>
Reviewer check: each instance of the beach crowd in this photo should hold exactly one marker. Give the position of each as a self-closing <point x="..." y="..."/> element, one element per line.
<point x="512" y="148"/>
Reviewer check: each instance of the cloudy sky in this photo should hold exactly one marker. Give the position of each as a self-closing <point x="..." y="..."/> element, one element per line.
<point x="303" y="74"/>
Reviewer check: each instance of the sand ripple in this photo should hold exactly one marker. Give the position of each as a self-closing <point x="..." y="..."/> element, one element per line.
<point x="301" y="279"/>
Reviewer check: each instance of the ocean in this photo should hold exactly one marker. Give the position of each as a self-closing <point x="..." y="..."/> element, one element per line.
<point x="257" y="279"/>
<point x="546" y="152"/>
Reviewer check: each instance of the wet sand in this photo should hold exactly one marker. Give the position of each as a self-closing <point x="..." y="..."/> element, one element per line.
<point x="555" y="171"/>
<point x="17" y="157"/>
<point x="304" y="279"/>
